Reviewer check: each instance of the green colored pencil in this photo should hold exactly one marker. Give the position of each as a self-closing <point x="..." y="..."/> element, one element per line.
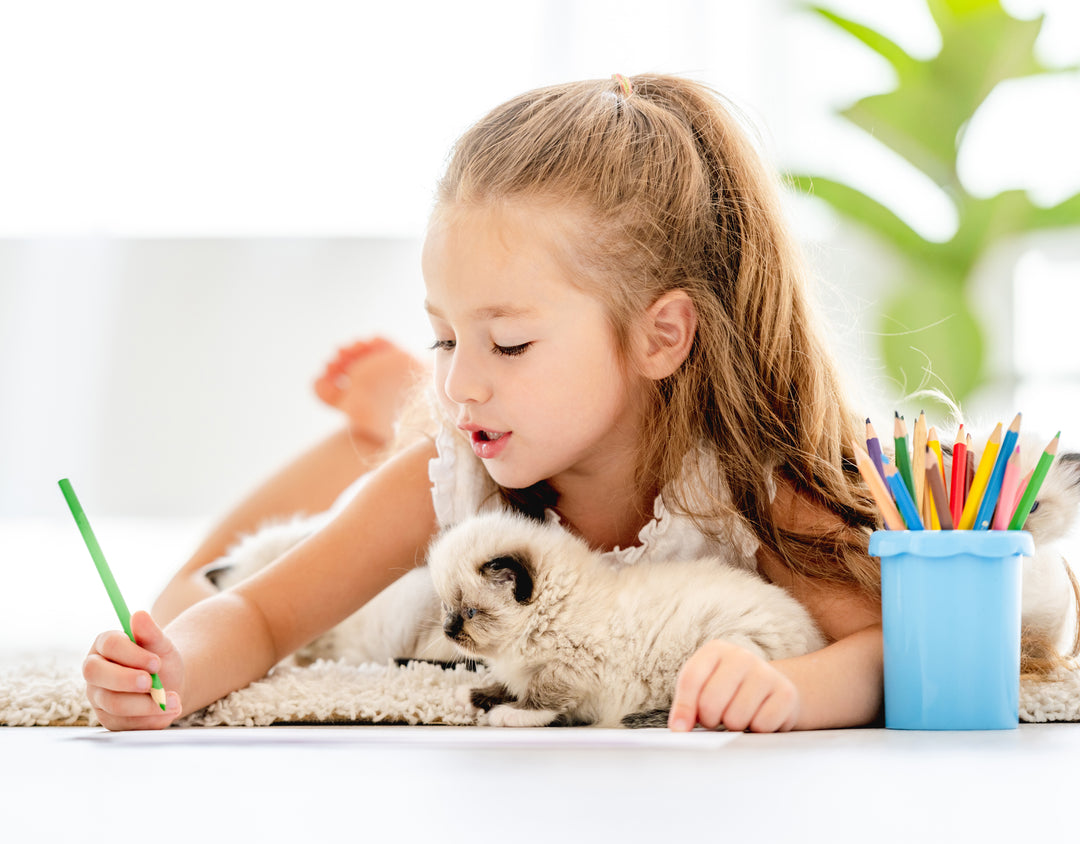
<point x="156" y="690"/>
<point x="1027" y="500"/>
<point x="900" y="453"/>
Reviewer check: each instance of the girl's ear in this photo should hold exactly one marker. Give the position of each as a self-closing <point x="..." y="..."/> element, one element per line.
<point x="667" y="333"/>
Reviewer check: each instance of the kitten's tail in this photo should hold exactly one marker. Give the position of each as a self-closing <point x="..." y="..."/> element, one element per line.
<point x="646" y="719"/>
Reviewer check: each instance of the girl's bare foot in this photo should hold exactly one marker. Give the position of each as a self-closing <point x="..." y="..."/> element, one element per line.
<point x="369" y="382"/>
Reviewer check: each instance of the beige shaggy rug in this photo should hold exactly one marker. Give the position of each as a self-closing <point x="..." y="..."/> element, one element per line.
<point x="50" y="693"/>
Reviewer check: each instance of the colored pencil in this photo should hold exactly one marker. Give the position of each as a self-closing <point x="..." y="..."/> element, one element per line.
<point x="900" y="452"/>
<point x="918" y="465"/>
<point x="1007" y="499"/>
<point x="982" y="477"/>
<point x="904" y="502"/>
<point x="959" y="470"/>
<point x="156" y="690"/>
<point x="1027" y="500"/>
<point x="985" y="514"/>
<point x="1020" y="487"/>
<point x="936" y="492"/>
<point x="882" y="497"/>
<point x="934" y="444"/>
<point x="969" y="470"/>
<point x="873" y="449"/>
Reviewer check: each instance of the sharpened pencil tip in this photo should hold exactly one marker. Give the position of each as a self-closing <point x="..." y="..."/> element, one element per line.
<point x="159" y="697"/>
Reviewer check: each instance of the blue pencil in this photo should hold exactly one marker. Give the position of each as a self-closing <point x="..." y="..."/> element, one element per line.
<point x="904" y="502"/>
<point x="985" y="513"/>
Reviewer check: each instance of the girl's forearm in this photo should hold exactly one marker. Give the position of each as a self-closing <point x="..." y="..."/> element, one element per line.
<point x="225" y="644"/>
<point x="841" y="685"/>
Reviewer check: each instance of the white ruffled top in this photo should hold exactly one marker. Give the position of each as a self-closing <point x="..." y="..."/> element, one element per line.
<point x="461" y="487"/>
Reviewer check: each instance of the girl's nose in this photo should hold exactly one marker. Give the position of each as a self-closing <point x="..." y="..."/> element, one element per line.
<point x="465" y="382"/>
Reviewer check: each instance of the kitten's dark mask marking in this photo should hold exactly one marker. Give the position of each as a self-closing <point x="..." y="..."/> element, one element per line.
<point x="513" y="569"/>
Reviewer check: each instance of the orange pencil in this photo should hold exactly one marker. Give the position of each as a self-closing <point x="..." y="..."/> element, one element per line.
<point x="1007" y="497"/>
<point x="959" y="475"/>
<point x="882" y="498"/>
<point x="942" y="517"/>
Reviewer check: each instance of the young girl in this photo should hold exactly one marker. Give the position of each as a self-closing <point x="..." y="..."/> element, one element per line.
<point x="622" y="343"/>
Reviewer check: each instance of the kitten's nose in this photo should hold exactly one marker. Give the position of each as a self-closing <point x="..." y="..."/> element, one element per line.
<point x="452" y="625"/>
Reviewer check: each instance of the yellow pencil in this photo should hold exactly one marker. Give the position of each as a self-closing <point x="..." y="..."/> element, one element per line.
<point x="982" y="476"/>
<point x="882" y="497"/>
<point x="934" y="444"/>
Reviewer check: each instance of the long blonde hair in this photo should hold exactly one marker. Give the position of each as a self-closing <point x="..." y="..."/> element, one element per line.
<point x="679" y="198"/>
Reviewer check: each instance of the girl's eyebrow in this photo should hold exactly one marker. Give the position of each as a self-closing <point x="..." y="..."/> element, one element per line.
<point x="489" y="312"/>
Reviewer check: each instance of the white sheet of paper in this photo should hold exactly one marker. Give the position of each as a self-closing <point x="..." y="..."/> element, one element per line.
<point x="431" y="736"/>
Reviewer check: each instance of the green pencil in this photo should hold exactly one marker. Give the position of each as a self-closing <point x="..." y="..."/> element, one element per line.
<point x="156" y="690"/>
<point x="1027" y="500"/>
<point x="900" y="453"/>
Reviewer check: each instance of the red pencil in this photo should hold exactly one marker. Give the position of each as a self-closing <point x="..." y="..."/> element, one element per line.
<point x="958" y="486"/>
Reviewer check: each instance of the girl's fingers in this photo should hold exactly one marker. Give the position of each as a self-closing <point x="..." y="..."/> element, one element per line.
<point x="148" y="635"/>
<point x="692" y="679"/>
<point x="110" y="704"/>
<point x="106" y="674"/>
<point x="743" y="701"/>
<point x="778" y="713"/>
<point x="116" y="647"/>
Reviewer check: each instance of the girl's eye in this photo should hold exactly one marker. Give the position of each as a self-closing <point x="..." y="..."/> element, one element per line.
<point x="470" y="612"/>
<point x="443" y="345"/>
<point x="510" y="351"/>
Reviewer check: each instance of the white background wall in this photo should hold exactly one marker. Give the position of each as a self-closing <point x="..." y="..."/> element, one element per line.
<point x="198" y="203"/>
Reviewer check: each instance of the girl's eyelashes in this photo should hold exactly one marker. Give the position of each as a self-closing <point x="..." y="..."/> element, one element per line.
<point x="510" y="351"/>
<point x="505" y="351"/>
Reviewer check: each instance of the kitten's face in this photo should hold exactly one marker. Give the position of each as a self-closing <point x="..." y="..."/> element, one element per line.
<point x="485" y="573"/>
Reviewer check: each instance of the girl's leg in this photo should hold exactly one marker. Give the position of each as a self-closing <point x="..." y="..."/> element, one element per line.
<point x="369" y="381"/>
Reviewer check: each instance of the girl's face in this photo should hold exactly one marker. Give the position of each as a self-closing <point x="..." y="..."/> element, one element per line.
<point x="525" y="361"/>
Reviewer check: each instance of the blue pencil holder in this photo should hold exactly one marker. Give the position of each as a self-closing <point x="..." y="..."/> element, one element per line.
<point x="950" y="606"/>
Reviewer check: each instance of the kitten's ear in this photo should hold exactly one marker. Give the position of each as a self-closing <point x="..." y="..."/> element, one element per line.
<point x="1069" y="462"/>
<point x="512" y="569"/>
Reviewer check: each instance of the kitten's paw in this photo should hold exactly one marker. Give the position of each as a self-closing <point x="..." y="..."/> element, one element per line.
<point x="488" y="697"/>
<point x="506" y="715"/>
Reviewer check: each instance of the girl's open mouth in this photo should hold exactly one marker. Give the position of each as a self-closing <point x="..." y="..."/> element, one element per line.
<point x="489" y="444"/>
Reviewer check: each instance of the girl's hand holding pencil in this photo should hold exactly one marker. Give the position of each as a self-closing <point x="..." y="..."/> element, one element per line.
<point x="914" y="491"/>
<point x="127" y="672"/>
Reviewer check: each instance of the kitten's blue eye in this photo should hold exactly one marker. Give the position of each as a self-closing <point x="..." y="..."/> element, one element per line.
<point x="1034" y="506"/>
<point x="510" y="351"/>
<point x="470" y="612"/>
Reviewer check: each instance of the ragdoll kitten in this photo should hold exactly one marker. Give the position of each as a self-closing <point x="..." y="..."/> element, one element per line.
<point x="571" y="639"/>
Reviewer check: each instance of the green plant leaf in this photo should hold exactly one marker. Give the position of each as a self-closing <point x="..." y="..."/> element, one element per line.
<point x="923" y="118"/>
<point x="864" y="211"/>
<point x="885" y="47"/>
<point x="931" y="339"/>
<point x="1065" y="213"/>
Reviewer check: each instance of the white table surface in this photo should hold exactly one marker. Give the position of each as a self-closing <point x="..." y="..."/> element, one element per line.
<point x="479" y="784"/>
